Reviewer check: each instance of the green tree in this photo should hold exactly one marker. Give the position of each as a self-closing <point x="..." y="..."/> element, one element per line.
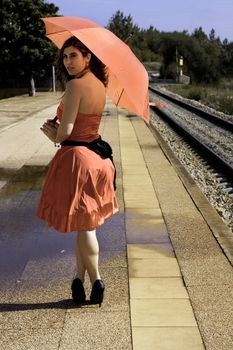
<point x="152" y="36"/>
<point x="208" y="69"/>
<point x="226" y="59"/>
<point x="201" y="55"/>
<point x="200" y="35"/>
<point x="121" y="25"/>
<point x="25" y="52"/>
<point x="142" y="42"/>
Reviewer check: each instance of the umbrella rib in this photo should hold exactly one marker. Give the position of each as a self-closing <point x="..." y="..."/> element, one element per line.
<point x="120" y="97"/>
<point x="57" y="32"/>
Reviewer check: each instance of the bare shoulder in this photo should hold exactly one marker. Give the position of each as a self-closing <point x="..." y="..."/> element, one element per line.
<point x="87" y="79"/>
<point x="74" y="89"/>
<point x="74" y="84"/>
<point x="87" y="87"/>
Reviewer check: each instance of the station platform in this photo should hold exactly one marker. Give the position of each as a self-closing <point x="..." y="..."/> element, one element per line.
<point x="168" y="283"/>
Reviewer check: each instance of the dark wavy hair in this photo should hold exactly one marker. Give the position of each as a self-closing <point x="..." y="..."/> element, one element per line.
<point x="96" y="66"/>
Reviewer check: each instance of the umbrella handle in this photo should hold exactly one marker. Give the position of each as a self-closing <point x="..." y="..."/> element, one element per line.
<point x="158" y="104"/>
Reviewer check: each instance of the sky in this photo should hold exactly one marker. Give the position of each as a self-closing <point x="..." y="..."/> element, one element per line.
<point x="164" y="15"/>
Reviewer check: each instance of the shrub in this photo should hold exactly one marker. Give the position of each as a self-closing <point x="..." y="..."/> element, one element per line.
<point x="195" y="93"/>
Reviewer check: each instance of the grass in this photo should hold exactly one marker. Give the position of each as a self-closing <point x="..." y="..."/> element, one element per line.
<point x="219" y="97"/>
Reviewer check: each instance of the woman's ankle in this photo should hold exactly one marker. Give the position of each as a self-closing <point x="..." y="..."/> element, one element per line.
<point x="94" y="278"/>
<point x="80" y="277"/>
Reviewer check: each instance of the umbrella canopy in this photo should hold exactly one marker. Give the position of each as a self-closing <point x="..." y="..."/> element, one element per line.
<point x="128" y="79"/>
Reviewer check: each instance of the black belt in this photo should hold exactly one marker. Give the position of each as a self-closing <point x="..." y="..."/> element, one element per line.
<point x="99" y="146"/>
<point x="74" y="143"/>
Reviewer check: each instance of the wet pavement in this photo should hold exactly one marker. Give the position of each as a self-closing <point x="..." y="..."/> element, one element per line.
<point x="168" y="284"/>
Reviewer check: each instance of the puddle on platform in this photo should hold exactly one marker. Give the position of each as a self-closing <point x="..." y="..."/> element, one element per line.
<point x="17" y="181"/>
<point x="18" y="201"/>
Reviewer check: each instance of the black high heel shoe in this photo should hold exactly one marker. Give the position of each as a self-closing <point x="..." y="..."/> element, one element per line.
<point x="78" y="292"/>
<point x="97" y="293"/>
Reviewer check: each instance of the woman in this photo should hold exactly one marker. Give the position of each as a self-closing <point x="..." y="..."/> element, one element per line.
<point x="78" y="194"/>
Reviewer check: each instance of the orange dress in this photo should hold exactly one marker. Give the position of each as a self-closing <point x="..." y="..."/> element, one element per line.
<point x="78" y="193"/>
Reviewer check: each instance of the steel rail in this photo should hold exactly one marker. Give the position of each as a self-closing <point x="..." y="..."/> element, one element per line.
<point x="213" y="158"/>
<point x="227" y="125"/>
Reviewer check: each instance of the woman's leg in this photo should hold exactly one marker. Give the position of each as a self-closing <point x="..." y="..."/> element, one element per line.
<point x="89" y="250"/>
<point x="81" y="269"/>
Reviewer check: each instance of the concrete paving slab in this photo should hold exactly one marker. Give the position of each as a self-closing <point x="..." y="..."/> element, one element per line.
<point x="177" y="338"/>
<point x="132" y="192"/>
<point x="134" y="169"/>
<point x="154" y="273"/>
<point x="162" y="313"/>
<point x="141" y="202"/>
<point x="131" y="161"/>
<point x="137" y="180"/>
<point x="157" y="288"/>
<point x="144" y="231"/>
<point x="166" y="267"/>
<point x="144" y="214"/>
<point x="149" y="251"/>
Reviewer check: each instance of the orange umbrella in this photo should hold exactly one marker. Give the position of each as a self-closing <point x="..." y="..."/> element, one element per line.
<point x="128" y="79"/>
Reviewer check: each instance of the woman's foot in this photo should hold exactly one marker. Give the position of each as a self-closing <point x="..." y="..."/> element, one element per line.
<point x="78" y="292"/>
<point x="97" y="293"/>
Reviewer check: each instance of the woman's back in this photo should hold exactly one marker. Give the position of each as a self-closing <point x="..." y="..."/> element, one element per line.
<point x="92" y="92"/>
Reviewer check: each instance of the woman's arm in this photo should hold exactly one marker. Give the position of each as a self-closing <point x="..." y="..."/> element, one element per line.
<point x="71" y="101"/>
<point x="60" y="132"/>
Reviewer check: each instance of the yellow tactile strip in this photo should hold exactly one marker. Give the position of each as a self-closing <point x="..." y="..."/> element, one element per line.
<point x="161" y="313"/>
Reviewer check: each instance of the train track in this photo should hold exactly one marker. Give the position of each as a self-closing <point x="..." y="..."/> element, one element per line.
<point x="221" y="166"/>
<point x="225" y="124"/>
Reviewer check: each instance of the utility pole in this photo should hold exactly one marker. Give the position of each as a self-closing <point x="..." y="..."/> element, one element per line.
<point x="54" y="79"/>
<point x="177" y="66"/>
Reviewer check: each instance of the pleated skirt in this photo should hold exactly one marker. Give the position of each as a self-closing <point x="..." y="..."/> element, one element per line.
<point x="78" y="192"/>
